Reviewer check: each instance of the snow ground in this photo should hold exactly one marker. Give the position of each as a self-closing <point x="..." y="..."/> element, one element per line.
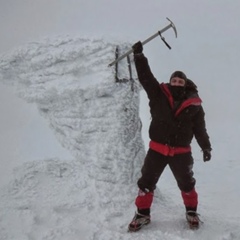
<point x="91" y="197"/>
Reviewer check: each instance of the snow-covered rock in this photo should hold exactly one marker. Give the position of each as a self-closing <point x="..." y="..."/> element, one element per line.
<point x="92" y="115"/>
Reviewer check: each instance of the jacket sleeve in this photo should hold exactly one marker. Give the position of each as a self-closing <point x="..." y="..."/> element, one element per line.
<point x="200" y="131"/>
<point x="145" y="76"/>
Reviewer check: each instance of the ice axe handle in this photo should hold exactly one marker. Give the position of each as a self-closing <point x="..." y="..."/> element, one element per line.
<point x="171" y="25"/>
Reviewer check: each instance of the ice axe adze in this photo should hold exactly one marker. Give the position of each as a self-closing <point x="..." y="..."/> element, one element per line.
<point x="171" y="25"/>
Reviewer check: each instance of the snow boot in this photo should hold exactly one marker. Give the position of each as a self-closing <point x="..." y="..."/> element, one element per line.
<point x="193" y="219"/>
<point x="139" y="220"/>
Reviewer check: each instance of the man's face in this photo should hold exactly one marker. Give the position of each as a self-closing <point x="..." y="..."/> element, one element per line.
<point x="176" y="81"/>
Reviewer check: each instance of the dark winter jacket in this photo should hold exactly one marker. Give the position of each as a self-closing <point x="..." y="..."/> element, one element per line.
<point x="172" y="125"/>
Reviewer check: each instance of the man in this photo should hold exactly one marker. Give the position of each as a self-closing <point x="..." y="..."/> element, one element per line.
<point x="177" y="116"/>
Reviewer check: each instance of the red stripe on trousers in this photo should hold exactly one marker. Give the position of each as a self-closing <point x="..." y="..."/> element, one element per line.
<point x="190" y="199"/>
<point x="144" y="200"/>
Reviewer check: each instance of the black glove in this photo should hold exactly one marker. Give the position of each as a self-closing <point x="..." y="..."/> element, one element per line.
<point x="207" y="155"/>
<point x="137" y="48"/>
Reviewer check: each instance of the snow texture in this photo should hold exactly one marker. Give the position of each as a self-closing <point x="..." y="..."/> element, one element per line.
<point x="97" y="120"/>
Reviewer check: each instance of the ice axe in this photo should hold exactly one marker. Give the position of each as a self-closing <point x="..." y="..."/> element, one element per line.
<point x="159" y="33"/>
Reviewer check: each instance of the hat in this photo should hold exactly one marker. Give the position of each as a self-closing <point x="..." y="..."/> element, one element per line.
<point x="179" y="74"/>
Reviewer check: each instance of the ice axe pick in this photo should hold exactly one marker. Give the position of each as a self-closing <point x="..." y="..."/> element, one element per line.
<point x="171" y="25"/>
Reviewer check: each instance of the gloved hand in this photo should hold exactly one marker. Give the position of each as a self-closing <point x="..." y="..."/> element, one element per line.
<point x="137" y="47"/>
<point x="207" y="155"/>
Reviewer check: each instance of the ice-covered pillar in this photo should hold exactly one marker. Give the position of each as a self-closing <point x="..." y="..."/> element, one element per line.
<point x="94" y="117"/>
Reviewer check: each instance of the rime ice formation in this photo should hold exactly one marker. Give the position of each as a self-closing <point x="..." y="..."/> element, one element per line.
<point x="94" y="117"/>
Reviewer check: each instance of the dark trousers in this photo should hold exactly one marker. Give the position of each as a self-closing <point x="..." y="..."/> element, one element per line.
<point x="181" y="166"/>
